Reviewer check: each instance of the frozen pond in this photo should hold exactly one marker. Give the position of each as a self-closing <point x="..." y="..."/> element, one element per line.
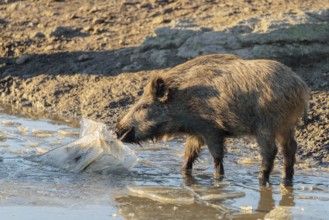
<point x="154" y="189"/>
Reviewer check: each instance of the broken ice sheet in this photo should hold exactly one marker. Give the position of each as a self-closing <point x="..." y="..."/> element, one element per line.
<point x="163" y="194"/>
<point x="246" y="209"/>
<point x="67" y="132"/>
<point x="22" y="129"/>
<point x="41" y="133"/>
<point x="95" y="151"/>
<point x="10" y="123"/>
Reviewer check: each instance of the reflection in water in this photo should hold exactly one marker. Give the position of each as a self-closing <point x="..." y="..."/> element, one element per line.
<point x="140" y="207"/>
<point x="213" y="198"/>
<point x="145" y="207"/>
<point x="267" y="203"/>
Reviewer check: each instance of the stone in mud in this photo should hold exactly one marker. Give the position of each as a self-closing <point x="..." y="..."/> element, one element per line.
<point x="279" y="213"/>
<point x="39" y="35"/>
<point x="84" y="57"/>
<point x="98" y="20"/>
<point x="67" y="32"/>
<point x="23" y="59"/>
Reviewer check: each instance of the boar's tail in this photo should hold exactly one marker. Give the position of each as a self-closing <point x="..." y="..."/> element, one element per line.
<point x="306" y="107"/>
<point x="305" y="122"/>
<point x="305" y="118"/>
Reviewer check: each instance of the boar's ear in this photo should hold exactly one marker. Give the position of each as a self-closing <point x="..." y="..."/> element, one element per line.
<point x="161" y="90"/>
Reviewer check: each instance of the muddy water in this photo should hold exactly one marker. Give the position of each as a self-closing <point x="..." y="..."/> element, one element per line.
<point x="154" y="189"/>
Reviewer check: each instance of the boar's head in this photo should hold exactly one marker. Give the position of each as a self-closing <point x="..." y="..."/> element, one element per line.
<point x="152" y="117"/>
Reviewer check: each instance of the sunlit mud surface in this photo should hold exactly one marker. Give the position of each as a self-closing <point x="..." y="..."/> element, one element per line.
<point x="154" y="189"/>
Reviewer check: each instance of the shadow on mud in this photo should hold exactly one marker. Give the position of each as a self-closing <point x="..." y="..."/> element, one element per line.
<point x="110" y="63"/>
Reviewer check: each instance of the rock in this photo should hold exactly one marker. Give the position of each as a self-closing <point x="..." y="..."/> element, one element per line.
<point x="280" y="212"/>
<point x="167" y="37"/>
<point x="39" y="35"/>
<point x="88" y="29"/>
<point x="67" y="32"/>
<point x="292" y="36"/>
<point x="148" y="6"/>
<point x="162" y="2"/>
<point x="84" y="57"/>
<point x="94" y="9"/>
<point x="23" y="59"/>
<point x="160" y="57"/>
<point x="3" y="21"/>
<point x="15" y="6"/>
<point x="160" y="20"/>
<point x="49" y="48"/>
<point x="132" y="67"/>
<point x="98" y="30"/>
<point x="167" y="11"/>
<point x="208" y="43"/>
<point x="122" y="41"/>
<point x="98" y="20"/>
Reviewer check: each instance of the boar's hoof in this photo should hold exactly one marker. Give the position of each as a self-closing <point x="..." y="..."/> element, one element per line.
<point x="186" y="172"/>
<point x="264" y="177"/>
<point x="218" y="176"/>
<point x="287" y="182"/>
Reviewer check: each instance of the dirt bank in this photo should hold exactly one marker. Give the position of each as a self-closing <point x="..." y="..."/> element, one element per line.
<point x="92" y="58"/>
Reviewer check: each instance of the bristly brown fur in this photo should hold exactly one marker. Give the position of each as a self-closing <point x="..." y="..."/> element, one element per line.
<point x="215" y="96"/>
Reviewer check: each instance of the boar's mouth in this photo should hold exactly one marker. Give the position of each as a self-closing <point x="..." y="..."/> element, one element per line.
<point x="128" y="135"/>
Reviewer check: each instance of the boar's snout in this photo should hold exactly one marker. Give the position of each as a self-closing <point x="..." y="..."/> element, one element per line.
<point x="125" y="134"/>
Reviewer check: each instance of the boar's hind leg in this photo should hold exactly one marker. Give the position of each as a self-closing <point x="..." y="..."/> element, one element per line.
<point x="289" y="148"/>
<point x="192" y="149"/>
<point x="216" y="147"/>
<point x="268" y="151"/>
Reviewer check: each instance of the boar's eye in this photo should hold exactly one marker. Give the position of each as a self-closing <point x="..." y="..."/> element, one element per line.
<point x="144" y="106"/>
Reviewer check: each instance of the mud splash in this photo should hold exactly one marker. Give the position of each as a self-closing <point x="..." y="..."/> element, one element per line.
<point x="153" y="189"/>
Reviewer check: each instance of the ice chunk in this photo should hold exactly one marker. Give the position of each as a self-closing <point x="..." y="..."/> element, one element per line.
<point x="75" y="156"/>
<point x="67" y="132"/>
<point x="95" y="151"/>
<point x="41" y="133"/>
<point x="163" y="194"/>
<point x="10" y="123"/>
<point x="279" y="212"/>
<point x="40" y="150"/>
<point x="248" y="161"/>
<point x="22" y="129"/>
<point x="223" y="196"/>
<point x="246" y="209"/>
<point x="34" y="144"/>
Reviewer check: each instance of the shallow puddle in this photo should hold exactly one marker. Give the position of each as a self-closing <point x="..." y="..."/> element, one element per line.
<point x="154" y="189"/>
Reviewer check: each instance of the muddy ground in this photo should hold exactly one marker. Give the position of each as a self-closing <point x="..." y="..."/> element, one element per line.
<point x="74" y="59"/>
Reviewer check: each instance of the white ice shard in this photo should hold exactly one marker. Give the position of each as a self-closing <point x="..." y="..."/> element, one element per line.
<point x="96" y="150"/>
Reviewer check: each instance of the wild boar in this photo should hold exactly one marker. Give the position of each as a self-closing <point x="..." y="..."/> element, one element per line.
<point x="213" y="97"/>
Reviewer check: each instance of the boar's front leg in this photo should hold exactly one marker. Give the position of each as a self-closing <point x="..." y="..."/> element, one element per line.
<point x="192" y="150"/>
